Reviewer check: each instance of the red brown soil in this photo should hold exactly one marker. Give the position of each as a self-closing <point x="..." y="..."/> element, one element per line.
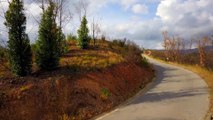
<point x="68" y="93"/>
<point x="75" y="95"/>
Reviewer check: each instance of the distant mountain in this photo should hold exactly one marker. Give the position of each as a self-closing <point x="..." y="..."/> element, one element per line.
<point x="195" y="50"/>
<point x="189" y="51"/>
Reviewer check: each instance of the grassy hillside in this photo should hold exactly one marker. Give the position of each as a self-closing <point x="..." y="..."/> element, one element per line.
<point x="87" y="83"/>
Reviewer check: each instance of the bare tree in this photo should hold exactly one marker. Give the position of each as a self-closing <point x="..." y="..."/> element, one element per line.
<point x="202" y="53"/>
<point x="62" y="14"/>
<point x="95" y="28"/>
<point x="165" y="44"/>
<point x="81" y="8"/>
<point x="191" y="42"/>
<point x="173" y="47"/>
<point x="211" y="41"/>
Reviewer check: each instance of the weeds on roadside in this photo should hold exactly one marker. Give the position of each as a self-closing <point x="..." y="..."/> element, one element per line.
<point x="105" y="93"/>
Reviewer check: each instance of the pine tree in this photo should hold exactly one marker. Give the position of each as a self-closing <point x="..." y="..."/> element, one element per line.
<point x="83" y="38"/>
<point x="19" y="50"/>
<point x="62" y="41"/>
<point x="48" y="45"/>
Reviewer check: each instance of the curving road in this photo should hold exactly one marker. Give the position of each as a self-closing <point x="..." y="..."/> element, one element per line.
<point x="176" y="94"/>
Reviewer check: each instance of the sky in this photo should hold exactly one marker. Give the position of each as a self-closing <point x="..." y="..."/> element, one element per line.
<point x="141" y="21"/>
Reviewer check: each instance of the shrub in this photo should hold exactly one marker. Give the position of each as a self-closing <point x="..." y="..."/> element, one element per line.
<point x="105" y="93"/>
<point x="71" y="37"/>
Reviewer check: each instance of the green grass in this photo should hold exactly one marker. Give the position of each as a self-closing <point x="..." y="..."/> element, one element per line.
<point x="105" y="93"/>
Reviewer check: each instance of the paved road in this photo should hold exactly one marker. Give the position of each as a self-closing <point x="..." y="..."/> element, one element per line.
<point x="176" y="94"/>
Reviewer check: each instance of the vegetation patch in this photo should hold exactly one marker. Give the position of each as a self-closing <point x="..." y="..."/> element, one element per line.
<point x="105" y="93"/>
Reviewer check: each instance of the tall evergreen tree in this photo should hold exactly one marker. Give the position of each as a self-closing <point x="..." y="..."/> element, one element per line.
<point x="47" y="46"/>
<point x="19" y="50"/>
<point x="62" y="41"/>
<point x="83" y="38"/>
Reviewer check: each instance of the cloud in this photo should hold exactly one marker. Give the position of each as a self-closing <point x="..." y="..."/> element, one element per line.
<point x="140" y="9"/>
<point x="127" y="3"/>
<point x="144" y="33"/>
<point x="188" y="18"/>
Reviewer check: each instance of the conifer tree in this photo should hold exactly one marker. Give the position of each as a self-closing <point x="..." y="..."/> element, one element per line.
<point x="62" y="42"/>
<point x="19" y="50"/>
<point x="47" y="46"/>
<point x="83" y="38"/>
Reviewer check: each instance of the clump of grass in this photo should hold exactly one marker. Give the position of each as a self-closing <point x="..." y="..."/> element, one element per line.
<point x="65" y="117"/>
<point x="105" y="93"/>
<point x="26" y="87"/>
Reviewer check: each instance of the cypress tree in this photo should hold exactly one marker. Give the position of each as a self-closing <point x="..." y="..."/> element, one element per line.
<point x="47" y="46"/>
<point x="19" y="50"/>
<point x="61" y="39"/>
<point x="83" y="38"/>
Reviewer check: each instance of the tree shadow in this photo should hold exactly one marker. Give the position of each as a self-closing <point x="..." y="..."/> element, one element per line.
<point x="161" y="96"/>
<point x="156" y="96"/>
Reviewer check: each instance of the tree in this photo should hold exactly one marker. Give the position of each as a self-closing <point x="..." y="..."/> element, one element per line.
<point x="81" y="8"/>
<point x="202" y="52"/>
<point x="173" y="47"/>
<point x="71" y="37"/>
<point x="19" y="50"/>
<point x="83" y="38"/>
<point x="61" y="39"/>
<point x="62" y="17"/>
<point x="95" y="27"/>
<point x="48" y="44"/>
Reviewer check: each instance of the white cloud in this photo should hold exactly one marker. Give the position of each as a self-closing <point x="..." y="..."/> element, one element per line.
<point x="187" y="17"/>
<point x="127" y="3"/>
<point x="183" y="17"/>
<point x="140" y="9"/>
<point x="144" y="33"/>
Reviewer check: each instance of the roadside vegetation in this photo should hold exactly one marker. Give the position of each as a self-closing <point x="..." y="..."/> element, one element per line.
<point x="196" y="55"/>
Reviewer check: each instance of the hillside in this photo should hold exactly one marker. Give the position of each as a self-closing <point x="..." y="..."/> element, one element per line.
<point x="87" y="83"/>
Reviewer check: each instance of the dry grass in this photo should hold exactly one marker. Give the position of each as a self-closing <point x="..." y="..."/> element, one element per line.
<point x="90" y="59"/>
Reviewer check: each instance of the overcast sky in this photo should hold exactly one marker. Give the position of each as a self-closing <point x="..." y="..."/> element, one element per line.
<point x="139" y="20"/>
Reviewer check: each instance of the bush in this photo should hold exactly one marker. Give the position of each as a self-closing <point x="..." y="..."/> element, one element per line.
<point x="71" y="37"/>
<point x="105" y="93"/>
<point x="129" y="50"/>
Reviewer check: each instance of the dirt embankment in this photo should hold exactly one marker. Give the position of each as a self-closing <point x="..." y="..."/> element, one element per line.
<point x="61" y="95"/>
<point x="87" y="83"/>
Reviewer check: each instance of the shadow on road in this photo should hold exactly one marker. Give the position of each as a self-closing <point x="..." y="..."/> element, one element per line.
<point x="154" y="96"/>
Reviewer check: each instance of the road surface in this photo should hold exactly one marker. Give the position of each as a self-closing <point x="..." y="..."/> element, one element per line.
<point x="176" y="94"/>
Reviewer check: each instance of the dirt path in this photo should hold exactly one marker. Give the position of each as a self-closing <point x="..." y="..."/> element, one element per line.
<point x="176" y="94"/>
